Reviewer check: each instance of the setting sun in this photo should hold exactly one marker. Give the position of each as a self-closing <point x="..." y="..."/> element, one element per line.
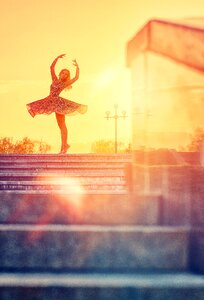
<point x="105" y="78"/>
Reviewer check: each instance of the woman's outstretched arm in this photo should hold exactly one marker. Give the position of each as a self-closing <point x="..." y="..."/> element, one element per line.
<point x="76" y="77"/>
<point x="52" y="67"/>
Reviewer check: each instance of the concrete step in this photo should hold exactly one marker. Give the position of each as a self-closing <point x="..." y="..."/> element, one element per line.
<point x="99" y="207"/>
<point x="59" y="165"/>
<point x="31" y="174"/>
<point x="83" y="176"/>
<point x="48" y="172"/>
<point x="66" y="157"/>
<point x="60" y="162"/>
<point x="67" y="162"/>
<point x="105" y="286"/>
<point x="83" y="161"/>
<point x="60" y="184"/>
<point x="96" y="248"/>
<point x="65" y="182"/>
<point x="56" y="166"/>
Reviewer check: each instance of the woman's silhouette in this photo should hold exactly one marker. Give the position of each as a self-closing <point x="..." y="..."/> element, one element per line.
<point x="55" y="103"/>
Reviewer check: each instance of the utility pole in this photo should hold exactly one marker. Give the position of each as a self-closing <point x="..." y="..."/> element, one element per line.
<point x="116" y="117"/>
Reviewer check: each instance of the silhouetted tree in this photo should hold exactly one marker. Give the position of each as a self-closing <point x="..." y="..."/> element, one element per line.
<point x="6" y="145"/>
<point x="26" y="145"/>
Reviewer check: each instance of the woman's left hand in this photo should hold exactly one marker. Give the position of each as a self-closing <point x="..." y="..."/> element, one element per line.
<point x="75" y="63"/>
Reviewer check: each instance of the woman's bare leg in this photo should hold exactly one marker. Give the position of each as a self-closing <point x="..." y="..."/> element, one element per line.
<point x="63" y="129"/>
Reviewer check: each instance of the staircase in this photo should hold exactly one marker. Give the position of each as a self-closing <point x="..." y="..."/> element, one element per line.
<point x="71" y="229"/>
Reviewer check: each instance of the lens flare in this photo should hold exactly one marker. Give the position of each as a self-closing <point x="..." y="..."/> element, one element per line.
<point x="62" y="205"/>
<point x="70" y="190"/>
<point x="72" y="185"/>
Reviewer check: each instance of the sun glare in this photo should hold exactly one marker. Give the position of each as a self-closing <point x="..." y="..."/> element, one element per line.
<point x="67" y="189"/>
<point x="69" y="184"/>
<point x="71" y="191"/>
<point x="105" y="78"/>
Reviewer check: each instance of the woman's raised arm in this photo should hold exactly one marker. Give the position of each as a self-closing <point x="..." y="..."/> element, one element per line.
<point x="76" y="77"/>
<point x="52" y="67"/>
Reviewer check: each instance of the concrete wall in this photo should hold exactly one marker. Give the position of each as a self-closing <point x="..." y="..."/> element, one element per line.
<point x="180" y="188"/>
<point x="181" y="192"/>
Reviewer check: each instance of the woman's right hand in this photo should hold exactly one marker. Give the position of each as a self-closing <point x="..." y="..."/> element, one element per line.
<point x="61" y="56"/>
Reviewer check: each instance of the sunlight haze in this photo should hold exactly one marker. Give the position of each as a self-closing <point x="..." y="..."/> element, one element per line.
<point x="95" y="33"/>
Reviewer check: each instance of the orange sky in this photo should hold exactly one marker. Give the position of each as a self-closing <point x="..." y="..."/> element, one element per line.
<point x="95" y="32"/>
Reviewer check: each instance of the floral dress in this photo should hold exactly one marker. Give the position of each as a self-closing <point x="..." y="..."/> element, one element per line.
<point x="55" y="103"/>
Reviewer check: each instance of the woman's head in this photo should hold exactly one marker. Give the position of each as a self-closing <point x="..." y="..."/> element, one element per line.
<point x="64" y="75"/>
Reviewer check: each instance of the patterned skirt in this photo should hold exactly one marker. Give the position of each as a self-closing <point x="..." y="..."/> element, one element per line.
<point x="56" y="104"/>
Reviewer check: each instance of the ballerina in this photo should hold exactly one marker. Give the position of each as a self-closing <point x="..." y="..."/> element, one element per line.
<point x="54" y="103"/>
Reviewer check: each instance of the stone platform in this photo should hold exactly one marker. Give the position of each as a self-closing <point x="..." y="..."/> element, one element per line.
<point x="72" y="207"/>
<point x="82" y="248"/>
<point x="105" y="286"/>
<point x="85" y="227"/>
<point x="70" y="172"/>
